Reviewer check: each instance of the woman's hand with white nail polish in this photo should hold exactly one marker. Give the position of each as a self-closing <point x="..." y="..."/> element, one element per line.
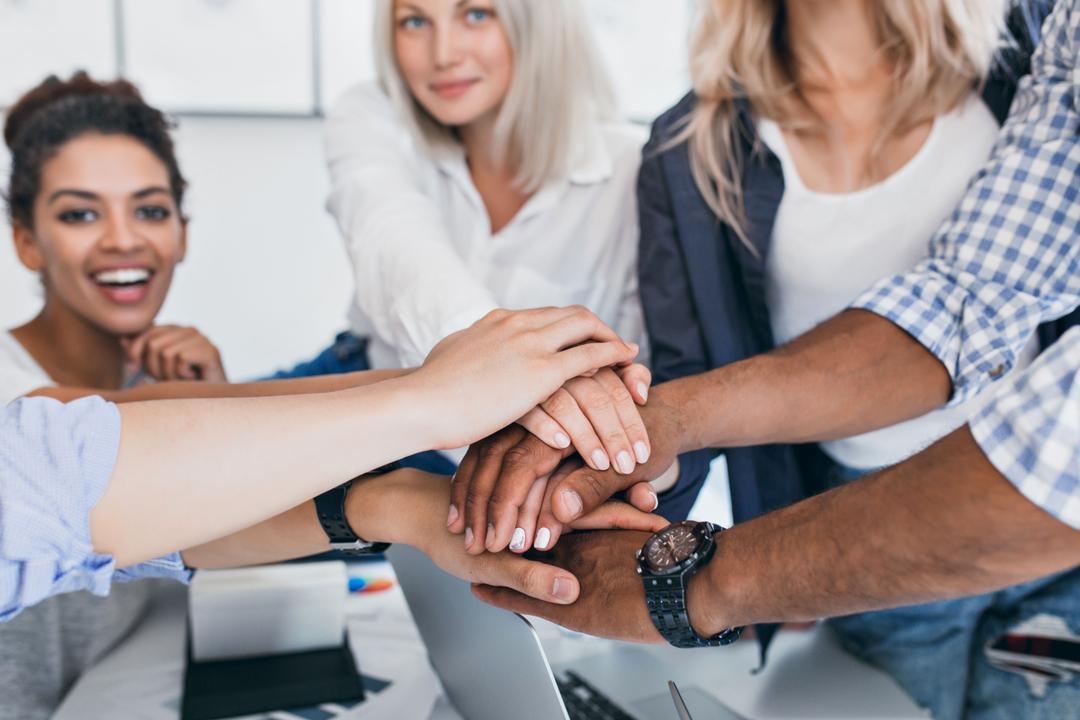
<point x="598" y="415"/>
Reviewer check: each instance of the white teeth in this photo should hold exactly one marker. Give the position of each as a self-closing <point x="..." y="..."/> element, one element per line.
<point x="122" y="276"/>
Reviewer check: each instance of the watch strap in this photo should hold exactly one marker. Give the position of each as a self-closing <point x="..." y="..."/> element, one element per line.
<point x="330" y="509"/>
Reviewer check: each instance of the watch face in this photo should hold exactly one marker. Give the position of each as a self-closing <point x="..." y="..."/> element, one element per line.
<point x="671" y="546"/>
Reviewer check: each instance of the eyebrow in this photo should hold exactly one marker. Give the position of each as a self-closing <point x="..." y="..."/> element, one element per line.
<point x="87" y="195"/>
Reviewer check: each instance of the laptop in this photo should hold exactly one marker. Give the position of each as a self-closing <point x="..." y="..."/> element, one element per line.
<point x="493" y="667"/>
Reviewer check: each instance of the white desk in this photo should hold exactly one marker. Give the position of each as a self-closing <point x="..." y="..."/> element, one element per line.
<point x="808" y="676"/>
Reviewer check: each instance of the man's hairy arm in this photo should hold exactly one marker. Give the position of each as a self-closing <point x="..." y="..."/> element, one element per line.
<point x="853" y="373"/>
<point x="943" y="524"/>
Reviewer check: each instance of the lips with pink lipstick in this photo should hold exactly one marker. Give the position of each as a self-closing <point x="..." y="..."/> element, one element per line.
<point x="123" y="285"/>
<point x="453" y="88"/>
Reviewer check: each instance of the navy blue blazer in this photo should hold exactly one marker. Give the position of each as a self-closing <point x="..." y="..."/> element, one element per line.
<point x="703" y="291"/>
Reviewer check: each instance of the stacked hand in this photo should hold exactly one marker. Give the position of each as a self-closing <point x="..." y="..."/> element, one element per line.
<point x="513" y="490"/>
<point x="407" y="506"/>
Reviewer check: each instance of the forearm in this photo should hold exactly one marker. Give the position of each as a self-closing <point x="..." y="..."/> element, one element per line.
<point x="378" y="508"/>
<point x="943" y="524"/>
<point x="183" y="454"/>
<point x="854" y="373"/>
<point x="188" y="389"/>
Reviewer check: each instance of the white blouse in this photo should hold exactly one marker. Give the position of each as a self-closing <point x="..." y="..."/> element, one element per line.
<point x="827" y="248"/>
<point x="424" y="259"/>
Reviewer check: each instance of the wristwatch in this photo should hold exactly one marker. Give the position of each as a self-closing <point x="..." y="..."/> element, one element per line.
<point x="666" y="562"/>
<point x="330" y="509"/>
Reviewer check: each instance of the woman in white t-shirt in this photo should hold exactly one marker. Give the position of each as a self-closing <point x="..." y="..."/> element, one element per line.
<point x="485" y="169"/>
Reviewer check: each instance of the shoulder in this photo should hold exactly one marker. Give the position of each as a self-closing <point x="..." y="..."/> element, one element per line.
<point x="19" y="372"/>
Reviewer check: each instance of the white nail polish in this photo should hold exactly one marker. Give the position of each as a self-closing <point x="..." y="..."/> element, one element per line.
<point x="655" y="501"/>
<point x="643" y="391"/>
<point x="626" y="463"/>
<point x="561" y="440"/>
<point x="642" y="451"/>
<point x="543" y="537"/>
<point x="600" y="459"/>
<point x="517" y="542"/>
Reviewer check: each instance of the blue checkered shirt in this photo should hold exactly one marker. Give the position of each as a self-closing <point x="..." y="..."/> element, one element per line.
<point x="1007" y="260"/>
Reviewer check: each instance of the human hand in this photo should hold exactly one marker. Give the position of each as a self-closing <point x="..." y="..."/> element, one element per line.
<point x="486" y="376"/>
<point x="172" y="352"/>
<point x="407" y="506"/>
<point x="598" y="416"/>
<point x="497" y="475"/>
<point x="611" y="600"/>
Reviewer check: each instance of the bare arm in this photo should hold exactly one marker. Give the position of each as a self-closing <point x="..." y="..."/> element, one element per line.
<point x="946" y="522"/>
<point x="853" y="373"/>
<point x="178" y="389"/>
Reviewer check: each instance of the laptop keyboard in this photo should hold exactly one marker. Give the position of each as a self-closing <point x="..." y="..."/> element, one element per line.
<point x="585" y="702"/>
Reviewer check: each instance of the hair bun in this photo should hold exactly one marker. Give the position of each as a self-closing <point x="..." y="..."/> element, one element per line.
<point x="52" y="89"/>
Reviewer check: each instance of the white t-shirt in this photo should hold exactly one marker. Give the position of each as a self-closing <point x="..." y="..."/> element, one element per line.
<point x="827" y="248"/>
<point x="19" y="372"/>
<point x="424" y="259"/>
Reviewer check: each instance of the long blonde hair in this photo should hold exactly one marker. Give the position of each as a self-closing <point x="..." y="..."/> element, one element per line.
<point x="560" y="86"/>
<point x="939" y="49"/>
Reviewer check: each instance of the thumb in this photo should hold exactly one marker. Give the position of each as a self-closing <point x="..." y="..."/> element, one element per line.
<point x="617" y="515"/>
<point x="529" y="577"/>
<point x="584" y="490"/>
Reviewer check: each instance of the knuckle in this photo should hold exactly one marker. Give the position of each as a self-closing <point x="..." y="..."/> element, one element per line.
<point x="475" y="501"/>
<point x="560" y="403"/>
<point x="529" y="578"/>
<point x="518" y="455"/>
<point x="621" y="396"/>
<point x="593" y="486"/>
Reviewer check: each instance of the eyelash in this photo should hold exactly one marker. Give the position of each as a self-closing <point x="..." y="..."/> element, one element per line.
<point x="150" y="213"/>
<point x="472" y="15"/>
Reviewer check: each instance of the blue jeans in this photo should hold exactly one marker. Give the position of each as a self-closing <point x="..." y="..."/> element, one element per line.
<point x="348" y="353"/>
<point x="937" y="651"/>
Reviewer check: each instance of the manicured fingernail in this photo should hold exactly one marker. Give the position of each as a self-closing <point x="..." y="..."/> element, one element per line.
<point x="561" y="588"/>
<point x="451" y="516"/>
<point x="642" y="451"/>
<point x="655" y="501"/>
<point x="572" y="501"/>
<point x="517" y="542"/>
<point x="643" y="391"/>
<point x="625" y="462"/>
<point x="561" y="440"/>
<point x="543" y="537"/>
<point x="600" y="459"/>
<point x="468" y="538"/>
<point x="489" y="543"/>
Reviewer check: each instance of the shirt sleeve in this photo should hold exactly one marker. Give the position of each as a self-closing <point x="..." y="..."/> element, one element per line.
<point x="1007" y="259"/>
<point x="409" y="281"/>
<point x="55" y="463"/>
<point x="1030" y="431"/>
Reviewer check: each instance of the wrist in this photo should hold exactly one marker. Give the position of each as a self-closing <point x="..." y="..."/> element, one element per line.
<point x="399" y="507"/>
<point x="705" y="598"/>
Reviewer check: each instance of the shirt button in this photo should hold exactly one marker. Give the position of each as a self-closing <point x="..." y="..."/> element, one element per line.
<point x="997" y="372"/>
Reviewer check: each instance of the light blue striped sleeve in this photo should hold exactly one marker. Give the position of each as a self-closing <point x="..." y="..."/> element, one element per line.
<point x="55" y="463"/>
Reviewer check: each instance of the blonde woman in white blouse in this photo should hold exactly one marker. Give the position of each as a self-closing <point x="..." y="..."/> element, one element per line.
<point x="484" y="170"/>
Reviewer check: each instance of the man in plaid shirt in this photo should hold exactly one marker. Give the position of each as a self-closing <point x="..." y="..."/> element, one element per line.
<point x="993" y="504"/>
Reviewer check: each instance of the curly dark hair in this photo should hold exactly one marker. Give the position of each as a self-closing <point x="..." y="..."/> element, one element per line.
<point x="58" y="111"/>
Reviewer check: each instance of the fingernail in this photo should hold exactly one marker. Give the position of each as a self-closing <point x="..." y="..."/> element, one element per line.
<point x="626" y="463"/>
<point x="543" y="537"/>
<point x="468" y="538"/>
<point x="561" y="440"/>
<point x="643" y="391"/>
<point x="489" y="542"/>
<point x="642" y="452"/>
<point x="600" y="459"/>
<point x="451" y="516"/>
<point x="572" y="501"/>
<point x="655" y="501"/>
<point x="561" y="588"/>
<point x="634" y="346"/>
<point x="517" y="542"/>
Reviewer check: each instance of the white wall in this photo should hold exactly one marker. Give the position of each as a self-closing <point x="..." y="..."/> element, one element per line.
<point x="266" y="276"/>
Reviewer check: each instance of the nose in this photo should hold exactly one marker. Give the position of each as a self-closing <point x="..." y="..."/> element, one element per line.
<point x="121" y="235"/>
<point x="448" y="46"/>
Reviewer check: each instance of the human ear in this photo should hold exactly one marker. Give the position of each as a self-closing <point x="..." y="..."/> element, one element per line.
<point x="27" y="248"/>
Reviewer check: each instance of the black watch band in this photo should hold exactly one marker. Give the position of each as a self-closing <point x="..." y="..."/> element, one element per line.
<point x="330" y="509"/>
<point x="666" y="601"/>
